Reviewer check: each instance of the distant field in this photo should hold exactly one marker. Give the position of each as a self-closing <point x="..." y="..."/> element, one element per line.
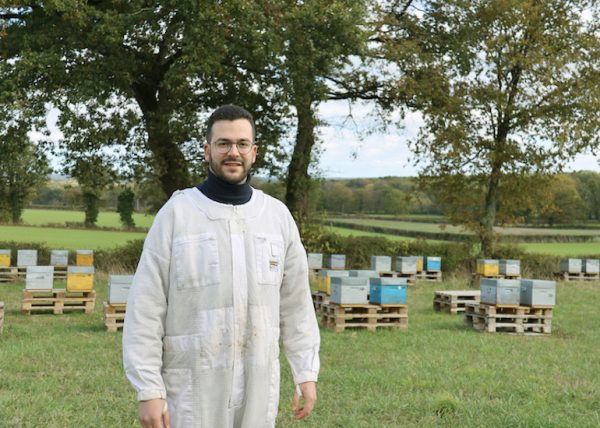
<point x="353" y="232"/>
<point x="38" y="217"/>
<point x="68" y="239"/>
<point x="438" y="228"/>
<point x="563" y="248"/>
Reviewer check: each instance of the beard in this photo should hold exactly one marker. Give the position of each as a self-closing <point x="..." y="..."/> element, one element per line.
<point x="230" y="175"/>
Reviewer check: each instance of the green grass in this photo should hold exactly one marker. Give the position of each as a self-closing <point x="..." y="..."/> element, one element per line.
<point x="68" y="239"/>
<point x="41" y="217"/>
<point x="353" y="232"/>
<point x="65" y="370"/>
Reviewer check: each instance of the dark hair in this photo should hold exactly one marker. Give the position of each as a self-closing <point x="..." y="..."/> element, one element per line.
<point x="228" y="112"/>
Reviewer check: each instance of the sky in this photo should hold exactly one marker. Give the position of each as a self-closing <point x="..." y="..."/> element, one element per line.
<point x="349" y="150"/>
<point x="381" y="155"/>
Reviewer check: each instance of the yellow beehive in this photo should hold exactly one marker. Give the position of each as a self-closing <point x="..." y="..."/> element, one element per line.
<point x="80" y="278"/>
<point x="419" y="263"/>
<point x="487" y="267"/>
<point x="4" y="258"/>
<point x="84" y="258"/>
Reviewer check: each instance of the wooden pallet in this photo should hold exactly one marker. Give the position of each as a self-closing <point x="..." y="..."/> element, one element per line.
<point x="60" y="273"/>
<point x="566" y="276"/>
<point x="434" y="276"/>
<point x="1" y="316"/>
<point x="57" y="300"/>
<point x="320" y="300"/>
<point x="454" y="301"/>
<point x="8" y="274"/>
<point x="339" y="317"/>
<point x="114" y="316"/>
<point x="522" y="320"/>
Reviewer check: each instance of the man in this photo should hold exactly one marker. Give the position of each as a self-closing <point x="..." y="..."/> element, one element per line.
<point x="222" y="276"/>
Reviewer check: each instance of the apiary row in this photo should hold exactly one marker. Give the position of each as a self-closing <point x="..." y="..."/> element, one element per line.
<point x="57" y="258"/>
<point x="409" y="264"/>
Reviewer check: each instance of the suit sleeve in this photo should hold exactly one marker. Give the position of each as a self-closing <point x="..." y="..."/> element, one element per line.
<point x="298" y="323"/>
<point x="144" y="326"/>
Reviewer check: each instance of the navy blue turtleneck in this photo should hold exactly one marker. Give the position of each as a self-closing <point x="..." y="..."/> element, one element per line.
<point x="226" y="193"/>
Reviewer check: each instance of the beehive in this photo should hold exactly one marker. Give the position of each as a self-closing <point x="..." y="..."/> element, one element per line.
<point x="537" y="292"/>
<point x="500" y="291"/>
<point x="406" y="265"/>
<point x="350" y="291"/>
<point x="591" y="266"/>
<point x="336" y="261"/>
<point x="315" y="261"/>
<point x="80" y="278"/>
<point x="26" y="258"/>
<point x="420" y="262"/>
<point x="381" y="263"/>
<point x="118" y="288"/>
<point x="5" y="258"/>
<point x="363" y="274"/>
<point x="433" y="264"/>
<point x="39" y="277"/>
<point x="510" y="267"/>
<point x="324" y="278"/>
<point x="84" y="258"/>
<point x="488" y="267"/>
<point x="571" y="265"/>
<point x="59" y="257"/>
<point x="387" y="291"/>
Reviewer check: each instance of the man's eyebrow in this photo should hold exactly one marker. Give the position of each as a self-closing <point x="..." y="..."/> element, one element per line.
<point x="226" y="140"/>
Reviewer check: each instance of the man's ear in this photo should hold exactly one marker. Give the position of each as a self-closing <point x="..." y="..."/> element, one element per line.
<point x="206" y="151"/>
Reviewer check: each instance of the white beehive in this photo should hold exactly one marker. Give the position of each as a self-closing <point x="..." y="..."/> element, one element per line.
<point x="26" y="258"/>
<point x="381" y="263"/>
<point x="39" y="277"/>
<point x="510" y="267"/>
<point x="591" y="266"/>
<point x="407" y="265"/>
<point x="570" y="265"/>
<point x="500" y="291"/>
<point x="363" y="273"/>
<point x="315" y="260"/>
<point x="118" y="288"/>
<point x="336" y="261"/>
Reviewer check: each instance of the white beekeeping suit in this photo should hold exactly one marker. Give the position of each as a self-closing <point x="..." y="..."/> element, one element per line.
<point x="216" y="287"/>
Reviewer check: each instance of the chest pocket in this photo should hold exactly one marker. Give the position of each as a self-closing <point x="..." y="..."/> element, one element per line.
<point x="269" y="258"/>
<point x="197" y="261"/>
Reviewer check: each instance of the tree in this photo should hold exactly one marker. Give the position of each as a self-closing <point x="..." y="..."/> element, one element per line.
<point x="507" y="88"/>
<point x="23" y="169"/>
<point x="588" y="186"/>
<point x="125" y="207"/>
<point x="140" y="76"/>
<point x="319" y="40"/>
<point x="564" y="205"/>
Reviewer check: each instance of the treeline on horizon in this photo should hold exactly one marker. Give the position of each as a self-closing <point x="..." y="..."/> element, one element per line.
<point x="570" y="198"/>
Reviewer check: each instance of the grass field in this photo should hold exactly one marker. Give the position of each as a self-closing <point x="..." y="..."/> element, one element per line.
<point x="68" y="239"/>
<point x="65" y="371"/>
<point x="571" y="249"/>
<point x="439" y="228"/>
<point x="40" y="217"/>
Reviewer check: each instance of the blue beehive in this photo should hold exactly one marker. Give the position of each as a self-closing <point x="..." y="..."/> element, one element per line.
<point x="387" y="291"/>
<point x="433" y="264"/>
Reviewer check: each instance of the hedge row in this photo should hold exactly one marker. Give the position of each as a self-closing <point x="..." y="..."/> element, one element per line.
<point x="457" y="258"/>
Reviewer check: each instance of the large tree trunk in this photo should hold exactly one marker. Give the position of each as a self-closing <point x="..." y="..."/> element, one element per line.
<point x="16" y="207"/>
<point x="169" y="163"/>
<point x="297" y="196"/>
<point x="486" y="234"/>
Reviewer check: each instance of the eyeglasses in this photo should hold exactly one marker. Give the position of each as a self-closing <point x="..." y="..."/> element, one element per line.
<point x="243" y="147"/>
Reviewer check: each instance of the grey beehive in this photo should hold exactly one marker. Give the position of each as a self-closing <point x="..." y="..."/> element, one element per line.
<point x="350" y="290"/>
<point x="510" y="267"/>
<point x="59" y="257"/>
<point x="570" y="265"/>
<point x="500" y="291"/>
<point x="39" y="277"/>
<point x="406" y="265"/>
<point x="118" y="288"/>
<point x="537" y="292"/>
<point x="336" y="261"/>
<point x="381" y="263"/>
<point x="364" y="273"/>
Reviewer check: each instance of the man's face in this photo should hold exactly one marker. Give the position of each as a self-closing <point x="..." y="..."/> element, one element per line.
<point x="233" y="166"/>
